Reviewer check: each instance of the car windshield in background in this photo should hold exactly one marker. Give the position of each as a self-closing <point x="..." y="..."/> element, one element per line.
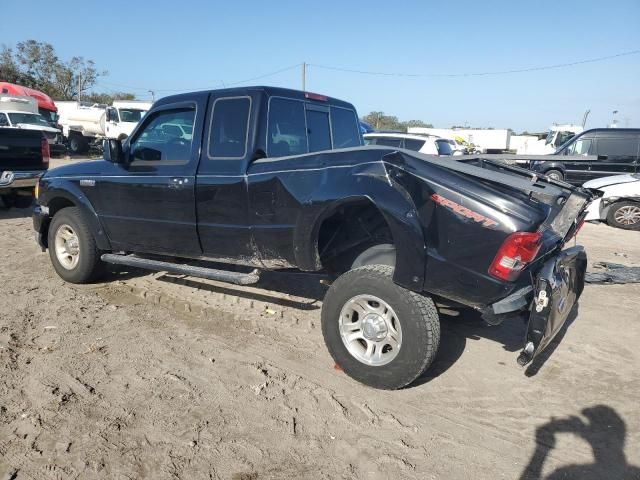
<point x="131" y="114"/>
<point x="49" y="116"/>
<point x="28" y="118"/>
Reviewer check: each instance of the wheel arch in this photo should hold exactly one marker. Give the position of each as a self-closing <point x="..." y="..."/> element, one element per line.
<point x="66" y="194"/>
<point x="401" y="219"/>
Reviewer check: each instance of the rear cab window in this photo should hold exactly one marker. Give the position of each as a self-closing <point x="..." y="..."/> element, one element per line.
<point x="296" y="127"/>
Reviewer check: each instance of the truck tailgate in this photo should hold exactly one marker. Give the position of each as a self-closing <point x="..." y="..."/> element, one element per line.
<point x="20" y="150"/>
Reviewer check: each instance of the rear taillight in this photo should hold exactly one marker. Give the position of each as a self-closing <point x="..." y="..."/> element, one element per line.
<point x="44" y="148"/>
<point x="517" y="251"/>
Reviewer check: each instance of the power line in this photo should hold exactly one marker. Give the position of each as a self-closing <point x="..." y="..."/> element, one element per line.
<point x="476" y="74"/>
<point x="221" y="84"/>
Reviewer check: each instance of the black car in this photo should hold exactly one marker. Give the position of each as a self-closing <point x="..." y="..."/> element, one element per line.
<point x="600" y="152"/>
<point x="278" y="179"/>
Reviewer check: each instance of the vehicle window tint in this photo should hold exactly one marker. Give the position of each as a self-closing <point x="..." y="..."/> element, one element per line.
<point x="618" y="149"/>
<point x="389" y="141"/>
<point x="165" y="137"/>
<point x="370" y="141"/>
<point x="229" y="125"/>
<point x="286" y="128"/>
<point x="4" y="121"/>
<point x="444" y="147"/>
<point x="112" y="115"/>
<point x="345" y="128"/>
<point x="581" y="146"/>
<point x="318" y="130"/>
<point x="413" y="144"/>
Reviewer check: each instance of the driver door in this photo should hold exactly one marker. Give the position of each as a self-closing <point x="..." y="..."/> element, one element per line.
<point x="148" y="203"/>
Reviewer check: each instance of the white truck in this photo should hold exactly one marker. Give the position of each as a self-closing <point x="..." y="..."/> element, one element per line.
<point x="485" y="140"/>
<point x="85" y="125"/>
<point x="557" y="135"/>
<point x="22" y="112"/>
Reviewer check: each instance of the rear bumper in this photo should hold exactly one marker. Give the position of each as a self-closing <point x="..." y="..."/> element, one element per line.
<point x="557" y="288"/>
<point x="10" y="180"/>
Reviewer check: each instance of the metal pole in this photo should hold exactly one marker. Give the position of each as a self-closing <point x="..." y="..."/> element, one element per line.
<point x="153" y="96"/>
<point x="304" y="76"/>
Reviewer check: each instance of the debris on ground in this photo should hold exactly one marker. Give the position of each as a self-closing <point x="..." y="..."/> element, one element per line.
<point x="613" y="273"/>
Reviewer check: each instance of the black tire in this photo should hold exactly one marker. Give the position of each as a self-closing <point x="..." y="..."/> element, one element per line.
<point x="77" y="144"/>
<point x="615" y="211"/>
<point x="6" y="202"/>
<point x="417" y="315"/>
<point x="89" y="266"/>
<point x="555" y="174"/>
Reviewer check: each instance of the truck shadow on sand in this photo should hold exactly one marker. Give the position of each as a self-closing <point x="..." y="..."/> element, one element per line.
<point x="605" y="431"/>
<point x="459" y="327"/>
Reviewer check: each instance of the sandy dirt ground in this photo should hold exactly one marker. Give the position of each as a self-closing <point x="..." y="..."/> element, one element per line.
<point x="158" y="376"/>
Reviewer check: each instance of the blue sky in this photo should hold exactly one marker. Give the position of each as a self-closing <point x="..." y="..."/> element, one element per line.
<point x="192" y="44"/>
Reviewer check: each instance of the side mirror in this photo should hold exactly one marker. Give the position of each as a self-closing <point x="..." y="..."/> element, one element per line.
<point x="112" y="150"/>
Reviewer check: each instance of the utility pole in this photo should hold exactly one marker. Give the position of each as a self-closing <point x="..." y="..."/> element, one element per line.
<point x="79" y="87"/>
<point x="304" y="76"/>
<point x="153" y="96"/>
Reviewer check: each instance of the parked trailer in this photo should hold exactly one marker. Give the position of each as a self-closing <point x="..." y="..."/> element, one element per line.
<point x="84" y="125"/>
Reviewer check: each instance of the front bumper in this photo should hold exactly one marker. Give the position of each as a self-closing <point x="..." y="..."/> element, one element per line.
<point x="41" y="221"/>
<point x="557" y="288"/>
<point x="10" y="180"/>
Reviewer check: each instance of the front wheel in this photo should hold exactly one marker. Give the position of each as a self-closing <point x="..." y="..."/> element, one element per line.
<point x="72" y="248"/>
<point x="555" y="174"/>
<point x="379" y="333"/>
<point x="624" y="215"/>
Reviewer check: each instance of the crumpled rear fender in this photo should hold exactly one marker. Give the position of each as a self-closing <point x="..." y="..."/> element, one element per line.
<point x="375" y="182"/>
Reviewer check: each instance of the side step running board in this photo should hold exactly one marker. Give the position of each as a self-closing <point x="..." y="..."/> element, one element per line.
<point x="200" y="272"/>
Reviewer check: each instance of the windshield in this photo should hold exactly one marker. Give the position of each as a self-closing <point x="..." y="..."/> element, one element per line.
<point x="49" y="116"/>
<point x="131" y="114"/>
<point x="28" y="118"/>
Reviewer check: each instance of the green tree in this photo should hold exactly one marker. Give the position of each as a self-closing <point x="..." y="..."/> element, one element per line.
<point x="35" y="64"/>
<point x="108" y="98"/>
<point x="380" y="121"/>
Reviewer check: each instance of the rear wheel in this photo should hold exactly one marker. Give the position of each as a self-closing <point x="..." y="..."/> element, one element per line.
<point x="624" y="215"/>
<point x="379" y="333"/>
<point x="77" y="144"/>
<point x="72" y="248"/>
<point x="555" y="174"/>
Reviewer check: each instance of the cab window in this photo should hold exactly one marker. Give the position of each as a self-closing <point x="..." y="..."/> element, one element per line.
<point x="4" y="121"/>
<point x="229" y="127"/>
<point x="619" y="149"/>
<point x="165" y="138"/>
<point x="582" y="146"/>
<point x="112" y="115"/>
<point x="318" y="130"/>
<point x="345" y="128"/>
<point x="286" y="128"/>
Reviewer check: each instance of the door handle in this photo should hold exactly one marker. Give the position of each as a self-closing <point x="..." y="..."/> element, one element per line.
<point x="178" y="182"/>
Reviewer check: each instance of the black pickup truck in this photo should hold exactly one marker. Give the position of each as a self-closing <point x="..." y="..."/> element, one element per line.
<point x="278" y="179"/>
<point x="24" y="157"/>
